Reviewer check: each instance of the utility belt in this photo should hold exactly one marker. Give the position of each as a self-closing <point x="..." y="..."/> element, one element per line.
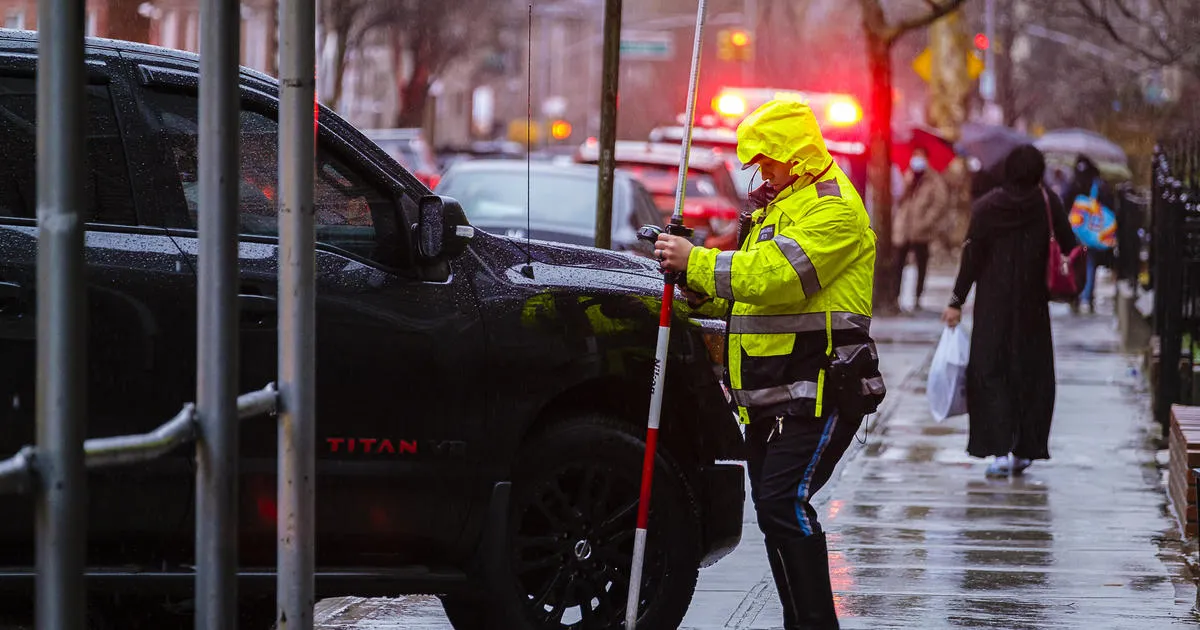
<point x="852" y="385"/>
<point x="853" y="382"/>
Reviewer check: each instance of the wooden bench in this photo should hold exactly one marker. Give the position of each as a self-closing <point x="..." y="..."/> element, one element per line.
<point x="1184" y="449"/>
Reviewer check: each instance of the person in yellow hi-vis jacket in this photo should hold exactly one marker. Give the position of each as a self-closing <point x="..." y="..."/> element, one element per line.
<point x="802" y="367"/>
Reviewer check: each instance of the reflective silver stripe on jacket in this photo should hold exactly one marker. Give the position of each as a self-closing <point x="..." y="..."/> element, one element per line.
<point x="800" y="390"/>
<point x="804" y="322"/>
<point x="722" y="270"/>
<point x="801" y="263"/>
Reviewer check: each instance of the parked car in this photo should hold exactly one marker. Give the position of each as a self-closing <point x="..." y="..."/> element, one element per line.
<point x="408" y="147"/>
<point x="711" y="201"/>
<point x="481" y="400"/>
<point x="561" y="203"/>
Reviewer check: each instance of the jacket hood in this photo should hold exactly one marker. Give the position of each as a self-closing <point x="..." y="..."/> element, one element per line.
<point x="1012" y="208"/>
<point x="784" y="130"/>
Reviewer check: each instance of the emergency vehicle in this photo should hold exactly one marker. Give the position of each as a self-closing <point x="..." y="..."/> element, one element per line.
<point x="840" y="117"/>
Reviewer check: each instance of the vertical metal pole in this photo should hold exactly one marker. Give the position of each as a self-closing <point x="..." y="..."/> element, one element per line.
<point x="216" y="317"/>
<point x="60" y="516"/>
<point x="297" y="313"/>
<point x="987" y="86"/>
<point x="750" y="11"/>
<point x="633" y="599"/>
<point x="608" y="122"/>
<point x="1171" y="341"/>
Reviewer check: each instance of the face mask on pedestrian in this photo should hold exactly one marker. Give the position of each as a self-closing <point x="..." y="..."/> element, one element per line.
<point x="918" y="164"/>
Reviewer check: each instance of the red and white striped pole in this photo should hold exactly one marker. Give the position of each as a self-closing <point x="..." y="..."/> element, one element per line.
<point x="677" y="228"/>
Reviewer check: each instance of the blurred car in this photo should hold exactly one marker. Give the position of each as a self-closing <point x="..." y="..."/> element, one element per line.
<point x="561" y="206"/>
<point x="711" y="202"/>
<point x="408" y="147"/>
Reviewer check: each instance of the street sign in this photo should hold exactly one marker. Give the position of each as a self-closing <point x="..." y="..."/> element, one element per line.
<point x="647" y="45"/>
<point x="923" y="65"/>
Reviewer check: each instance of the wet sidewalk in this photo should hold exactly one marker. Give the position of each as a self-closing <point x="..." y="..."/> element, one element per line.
<point x="921" y="539"/>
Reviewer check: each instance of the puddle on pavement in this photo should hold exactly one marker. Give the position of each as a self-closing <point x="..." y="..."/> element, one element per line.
<point x="940" y="429"/>
<point x="976" y="580"/>
<point x="1007" y="535"/>
<point x="921" y="453"/>
<point x="916" y="512"/>
<point x="1008" y="557"/>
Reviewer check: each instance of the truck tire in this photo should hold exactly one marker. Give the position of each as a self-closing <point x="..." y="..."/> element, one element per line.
<point x="571" y="521"/>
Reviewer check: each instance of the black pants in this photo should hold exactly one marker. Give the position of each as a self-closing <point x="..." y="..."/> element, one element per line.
<point x="921" y="252"/>
<point x="789" y="460"/>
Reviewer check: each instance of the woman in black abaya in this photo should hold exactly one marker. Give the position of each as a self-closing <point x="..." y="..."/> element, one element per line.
<point x="1010" y="376"/>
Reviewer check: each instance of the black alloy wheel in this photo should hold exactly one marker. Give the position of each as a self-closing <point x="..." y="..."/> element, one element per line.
<point x="572" y="519"/>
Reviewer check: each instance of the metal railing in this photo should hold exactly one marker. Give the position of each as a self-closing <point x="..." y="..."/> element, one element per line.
<point x="19" y="473"/>
<point x="1175" y="266"/>
<point x="54" y="468"/>
<point x="1131" y="210"/>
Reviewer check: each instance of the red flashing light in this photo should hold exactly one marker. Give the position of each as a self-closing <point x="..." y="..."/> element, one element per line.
<point x="982" y="42"/>
<point x="844" y="112"/>
<point x="730" y="105"/>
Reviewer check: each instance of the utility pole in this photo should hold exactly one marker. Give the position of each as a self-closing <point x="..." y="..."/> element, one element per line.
<point x="608" y="122"/>
<point x="992" y="112"/>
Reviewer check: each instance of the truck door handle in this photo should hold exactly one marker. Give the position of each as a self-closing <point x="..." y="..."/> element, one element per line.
<point x="259" y="310"/>
<point x="9" y="291"/>
<point x="10" y="299"/>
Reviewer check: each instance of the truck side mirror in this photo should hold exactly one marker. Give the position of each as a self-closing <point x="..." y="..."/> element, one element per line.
<point x="442" y="228"/>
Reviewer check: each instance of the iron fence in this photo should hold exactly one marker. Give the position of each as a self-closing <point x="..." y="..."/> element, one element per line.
<point x="1131" y="209"/>
<point x="53" y="469"/>
<point x="1175" y="267"/>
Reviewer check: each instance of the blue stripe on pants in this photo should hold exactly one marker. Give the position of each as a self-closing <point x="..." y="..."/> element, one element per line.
<point x="802" y="492"/>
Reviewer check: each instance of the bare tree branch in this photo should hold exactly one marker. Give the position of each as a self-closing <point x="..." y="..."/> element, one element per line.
<point x="937" y="10"/>
<point x="1099" y="16"/>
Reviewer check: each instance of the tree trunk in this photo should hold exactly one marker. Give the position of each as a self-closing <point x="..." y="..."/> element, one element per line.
<point x="273" y="39"/>
<point x="339" y="69"/>
<point x="950" y="87"/>
<point x="415" y="95"/>
<point x="879" y="171"/>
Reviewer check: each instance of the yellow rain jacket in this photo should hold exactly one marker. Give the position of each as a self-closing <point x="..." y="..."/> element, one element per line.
<point x="798" y="291"/>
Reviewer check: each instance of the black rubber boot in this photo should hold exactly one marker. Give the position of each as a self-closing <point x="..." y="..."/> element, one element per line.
<point x="801" y="570"/>
<point x="775" y="556"/>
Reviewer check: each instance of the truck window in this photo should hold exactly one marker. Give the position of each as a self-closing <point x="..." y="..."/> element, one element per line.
<point x="347" y="205"/>
<point x="108" y="195"/>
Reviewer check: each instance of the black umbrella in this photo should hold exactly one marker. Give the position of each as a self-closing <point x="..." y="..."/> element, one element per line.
<point x="989" y="144"/>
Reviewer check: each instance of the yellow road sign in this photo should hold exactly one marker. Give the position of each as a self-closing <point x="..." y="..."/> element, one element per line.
<point x="923" y="65"/>
<point x="975" y="65"/>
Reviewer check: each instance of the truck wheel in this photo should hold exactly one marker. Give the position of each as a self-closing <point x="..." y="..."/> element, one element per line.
<point x="572" y="516"/>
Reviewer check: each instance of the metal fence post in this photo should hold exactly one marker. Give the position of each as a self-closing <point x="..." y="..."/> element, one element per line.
<point x="297" y="313"/>
<point x="61" y="510"/>
<point x="1171" y="286"/>
<point x="216" y="317"/>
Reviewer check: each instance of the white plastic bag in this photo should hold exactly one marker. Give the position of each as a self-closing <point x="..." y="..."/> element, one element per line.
<point x="947" y="385"/>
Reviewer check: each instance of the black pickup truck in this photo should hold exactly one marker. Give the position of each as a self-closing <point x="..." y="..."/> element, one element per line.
<point x="481" y="400"/>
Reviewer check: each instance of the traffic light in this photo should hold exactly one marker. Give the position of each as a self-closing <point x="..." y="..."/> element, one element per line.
<point x="560" y="130"/>
<point x="734" y="45"/>
<point x="982" y="42"/>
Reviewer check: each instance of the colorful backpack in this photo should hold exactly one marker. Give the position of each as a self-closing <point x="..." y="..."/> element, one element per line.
<point x="1094" y="223"/>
